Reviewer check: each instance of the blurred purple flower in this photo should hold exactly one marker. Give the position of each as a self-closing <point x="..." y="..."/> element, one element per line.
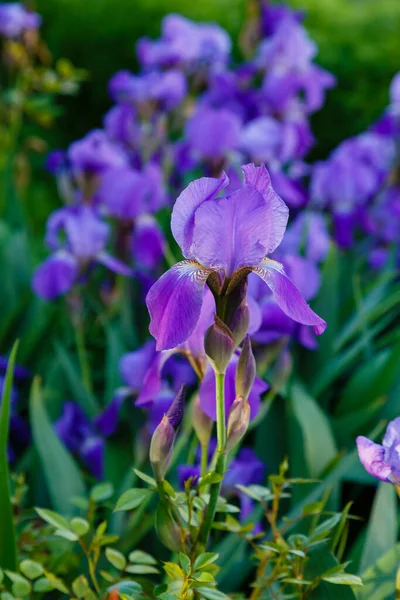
<point x="223" y="235"/>
<point x="15" y="19"/>
<point x="184" y="42"/>
<point x="207" y="391"/>
<point x="95" y="153"/>
<point x="382" y="462"/>
<point x="121" y="125"/>
<point x="212" y="133"/>
<point x="167" y="88"/>
<point x="84" y="244"/>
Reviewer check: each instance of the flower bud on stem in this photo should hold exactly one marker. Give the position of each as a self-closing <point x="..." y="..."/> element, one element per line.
<point x="219" y="345"/>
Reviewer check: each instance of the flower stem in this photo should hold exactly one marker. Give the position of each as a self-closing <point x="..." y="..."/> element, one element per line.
<point x="83" y="358"/>
<point x="220" y="462"/>
<point x="204" y="459"/>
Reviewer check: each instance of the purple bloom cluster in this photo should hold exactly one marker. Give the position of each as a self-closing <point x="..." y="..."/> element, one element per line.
<point x="15" y="19"/>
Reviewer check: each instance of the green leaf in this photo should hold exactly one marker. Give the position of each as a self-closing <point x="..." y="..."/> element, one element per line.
<point x="142" y="558"/>
<point x="185" y="562"/>
<point x="43" y="585"/>
<point x="141" y="569"/>
<point x="204" y="559"/>
<point x="20" y="585"/>
<point x="80" y="526"/>
<point x="211" y="594"/>
<point x="80" y="586"/>
<point x="31" y="569"/>
<point x="74" y="380"/>
<point x="8" y="549"/>
<point x="343" y="579"/>
<point x="117" y="559"/>
<point x="379" y="579"/>
<point x="126" y="587"/>
<point x="132" y="499"/>
<point x="382" y="531"/>
<point x="53" y="518"/>
<point x="115" y="349"/>
<point x="102" y="491"/>
<point x="62" y="475"/>
<point x="149" y="480"/>
<point x="319" y="444"/>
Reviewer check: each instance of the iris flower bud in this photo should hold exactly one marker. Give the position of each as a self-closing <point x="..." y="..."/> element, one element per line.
<point x="219" y="345"/>
<point x="246" y="370"/>
<point x="240" y="323"/>
<point x="162" y="442"/>
<point x="202" y="424"/>
<point x="238" y="422"/>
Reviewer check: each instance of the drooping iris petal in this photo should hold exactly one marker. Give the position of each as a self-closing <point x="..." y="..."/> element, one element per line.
<point x="231" y="232"/>
<point x="207" y="391"/>
<point x="287" y="296"/>
<point x="152" y="381"/>
<point x="182" y="219"/>
<point x="372" y="458"/>
<point x="134" y="365"/>
<point x="55" y="276"/>
<point x="278" y="212"/>
<point x="174" y="303"/>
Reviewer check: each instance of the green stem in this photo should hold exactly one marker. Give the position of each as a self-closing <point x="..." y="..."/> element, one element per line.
<point x="204" y="459"/>
<point x="83" y="358"/>
<point x="220" y="462"/>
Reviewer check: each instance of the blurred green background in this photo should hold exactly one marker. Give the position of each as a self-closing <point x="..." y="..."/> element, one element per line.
<point x="358" y="39"/>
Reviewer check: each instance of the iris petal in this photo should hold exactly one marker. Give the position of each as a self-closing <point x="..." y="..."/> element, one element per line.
<point x="287" y="296"/>
<point x="278" y="213"/>
<point x="174" y="303"/>
<point x="372" y="458"/>
<point x="182" y="220"/>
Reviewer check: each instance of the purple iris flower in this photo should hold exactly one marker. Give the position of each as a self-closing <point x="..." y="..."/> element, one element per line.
<point x="272" y="16"/>
<point x="382" y="461"/>
<point x="353" y="173"/>
<point x="15" y="19"/>
<point x="226" y="237"/>
<point x="207" y="391"/>
<point x="279" y="88"/>
<point x="212" y="133"/>
<point x="184" y="42"/>
<point x="81" y="438"/>
<point x="268" y="140"/>
<point x="85" y="241"/>
<point x="95" y="153"/>
<point x="127" y="193"/>
<point x="121" y="125"/>
<point x="167" y="88"/>
<point x="288" y="49"/>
